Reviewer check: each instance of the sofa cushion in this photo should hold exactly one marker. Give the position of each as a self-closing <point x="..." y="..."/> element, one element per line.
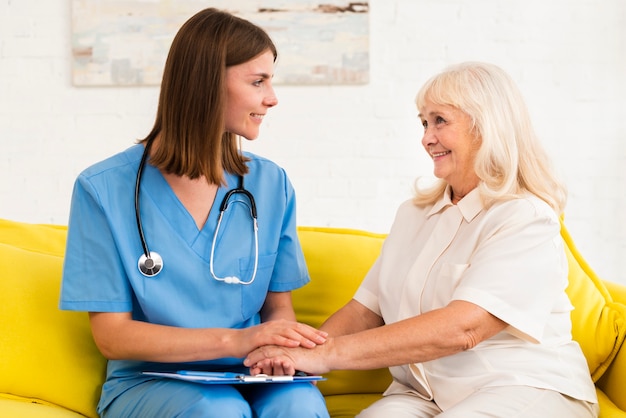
<point x="47" y="354"/>
<point x="598" y="323"/>
<point x="338" y="259"/>
<point x="32" y="408"/>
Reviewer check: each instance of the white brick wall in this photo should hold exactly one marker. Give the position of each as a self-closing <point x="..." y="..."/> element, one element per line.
<point x="351" y="151"/>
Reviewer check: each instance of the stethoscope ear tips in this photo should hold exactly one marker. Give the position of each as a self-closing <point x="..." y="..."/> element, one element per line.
<point x="150" y="266"/>
<point x="232" y="280"/>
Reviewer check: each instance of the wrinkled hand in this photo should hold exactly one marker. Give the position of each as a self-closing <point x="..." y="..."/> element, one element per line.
<point x="282" y="360"/>
<point x="282" y="333"/>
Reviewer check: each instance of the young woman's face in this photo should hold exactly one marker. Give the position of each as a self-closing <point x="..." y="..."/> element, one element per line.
<point x="249" y="94"/>
<point x="451" y="143"/>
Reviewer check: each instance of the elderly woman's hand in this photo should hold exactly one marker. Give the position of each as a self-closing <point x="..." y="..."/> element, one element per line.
<point x="277" y="360"/>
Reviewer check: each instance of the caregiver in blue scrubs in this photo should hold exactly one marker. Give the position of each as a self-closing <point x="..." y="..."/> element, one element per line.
<point x="220" y="292"/>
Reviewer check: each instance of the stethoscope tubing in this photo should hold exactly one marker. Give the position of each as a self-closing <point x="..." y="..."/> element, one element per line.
<point x="142" y="164"/>
<point x="234" y="279"/>
<point x="150" y="263"/>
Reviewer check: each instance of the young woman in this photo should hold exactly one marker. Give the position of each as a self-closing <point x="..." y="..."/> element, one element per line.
<point x="164" y="249"/>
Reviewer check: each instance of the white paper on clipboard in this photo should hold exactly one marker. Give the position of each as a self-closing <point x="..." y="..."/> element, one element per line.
<point x="230" y="378"/>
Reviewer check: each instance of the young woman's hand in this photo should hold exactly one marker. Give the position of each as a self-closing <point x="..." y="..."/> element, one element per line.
<point x="282" y="333"/>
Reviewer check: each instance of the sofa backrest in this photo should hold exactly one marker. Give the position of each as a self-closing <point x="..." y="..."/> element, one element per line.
<point x="48" y="355"/>
<point x="45" y="351"/>
<point x="598" y="322"/>
<point x="337" y="259"/>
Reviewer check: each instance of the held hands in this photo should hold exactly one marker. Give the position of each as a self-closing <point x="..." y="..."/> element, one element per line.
<point x="283" y="333"/>
<point x="271" y="360"/>
<point x="275" y="360"/>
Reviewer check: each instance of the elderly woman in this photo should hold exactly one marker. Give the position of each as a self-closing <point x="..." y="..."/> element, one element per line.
<point x="466" y="303"/>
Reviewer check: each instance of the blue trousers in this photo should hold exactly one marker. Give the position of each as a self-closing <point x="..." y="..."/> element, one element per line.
<point x="172" y="398"/>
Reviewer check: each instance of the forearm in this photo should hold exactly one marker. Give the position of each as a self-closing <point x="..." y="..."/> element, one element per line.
<point x="438" y="333"/>
<point x="283" y="312"/>
<point x="277" y="306"/>
<point x="351" y="318"/>
<point x="123" y="338"/>
<point x="387" y="346"/>
<point x="120" y="337"/>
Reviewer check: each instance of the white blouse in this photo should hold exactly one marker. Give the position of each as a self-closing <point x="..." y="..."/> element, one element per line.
<point x="509" y="260"/>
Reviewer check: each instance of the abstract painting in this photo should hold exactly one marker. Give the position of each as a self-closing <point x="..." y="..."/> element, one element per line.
<point x="125" y="42"/>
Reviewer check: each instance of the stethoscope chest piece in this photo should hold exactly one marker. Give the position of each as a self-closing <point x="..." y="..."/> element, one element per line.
<point x="150" y="266"/>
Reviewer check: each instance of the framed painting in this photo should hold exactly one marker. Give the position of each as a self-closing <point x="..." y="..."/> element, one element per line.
<point x="125" y="42"/>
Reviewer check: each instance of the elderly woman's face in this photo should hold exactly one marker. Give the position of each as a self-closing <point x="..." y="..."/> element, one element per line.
<point x="451" y="143"/>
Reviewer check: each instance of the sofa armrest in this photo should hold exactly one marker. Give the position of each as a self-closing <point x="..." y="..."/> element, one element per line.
<point x="612" y="381"/>
<point x="608" y="409"/>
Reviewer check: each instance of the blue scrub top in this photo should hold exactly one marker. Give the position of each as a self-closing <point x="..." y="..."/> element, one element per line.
<point x="101" y="275"/>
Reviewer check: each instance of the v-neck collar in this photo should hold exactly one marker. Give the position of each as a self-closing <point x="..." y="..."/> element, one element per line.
<point x="178" y="217"/>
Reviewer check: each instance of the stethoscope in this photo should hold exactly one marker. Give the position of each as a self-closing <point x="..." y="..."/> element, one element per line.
<point x="150" y="263"/>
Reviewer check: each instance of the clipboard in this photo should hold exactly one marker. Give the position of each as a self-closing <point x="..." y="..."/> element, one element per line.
<point x="230" y="378"/>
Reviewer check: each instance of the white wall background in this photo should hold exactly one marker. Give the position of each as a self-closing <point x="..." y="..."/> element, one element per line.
<point x="352" y="152"/>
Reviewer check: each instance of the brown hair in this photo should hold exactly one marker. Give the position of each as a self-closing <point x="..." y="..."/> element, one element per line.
<point x="190" y="115"/>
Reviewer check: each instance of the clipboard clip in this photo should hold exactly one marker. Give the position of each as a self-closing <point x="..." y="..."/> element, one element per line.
<point x="264" y="378"/>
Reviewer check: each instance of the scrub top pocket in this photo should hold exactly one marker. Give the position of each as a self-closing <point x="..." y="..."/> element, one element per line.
<point x="253" y="295"/>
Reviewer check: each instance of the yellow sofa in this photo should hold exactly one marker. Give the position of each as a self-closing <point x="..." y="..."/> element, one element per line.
<point x="50" y="367"/>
